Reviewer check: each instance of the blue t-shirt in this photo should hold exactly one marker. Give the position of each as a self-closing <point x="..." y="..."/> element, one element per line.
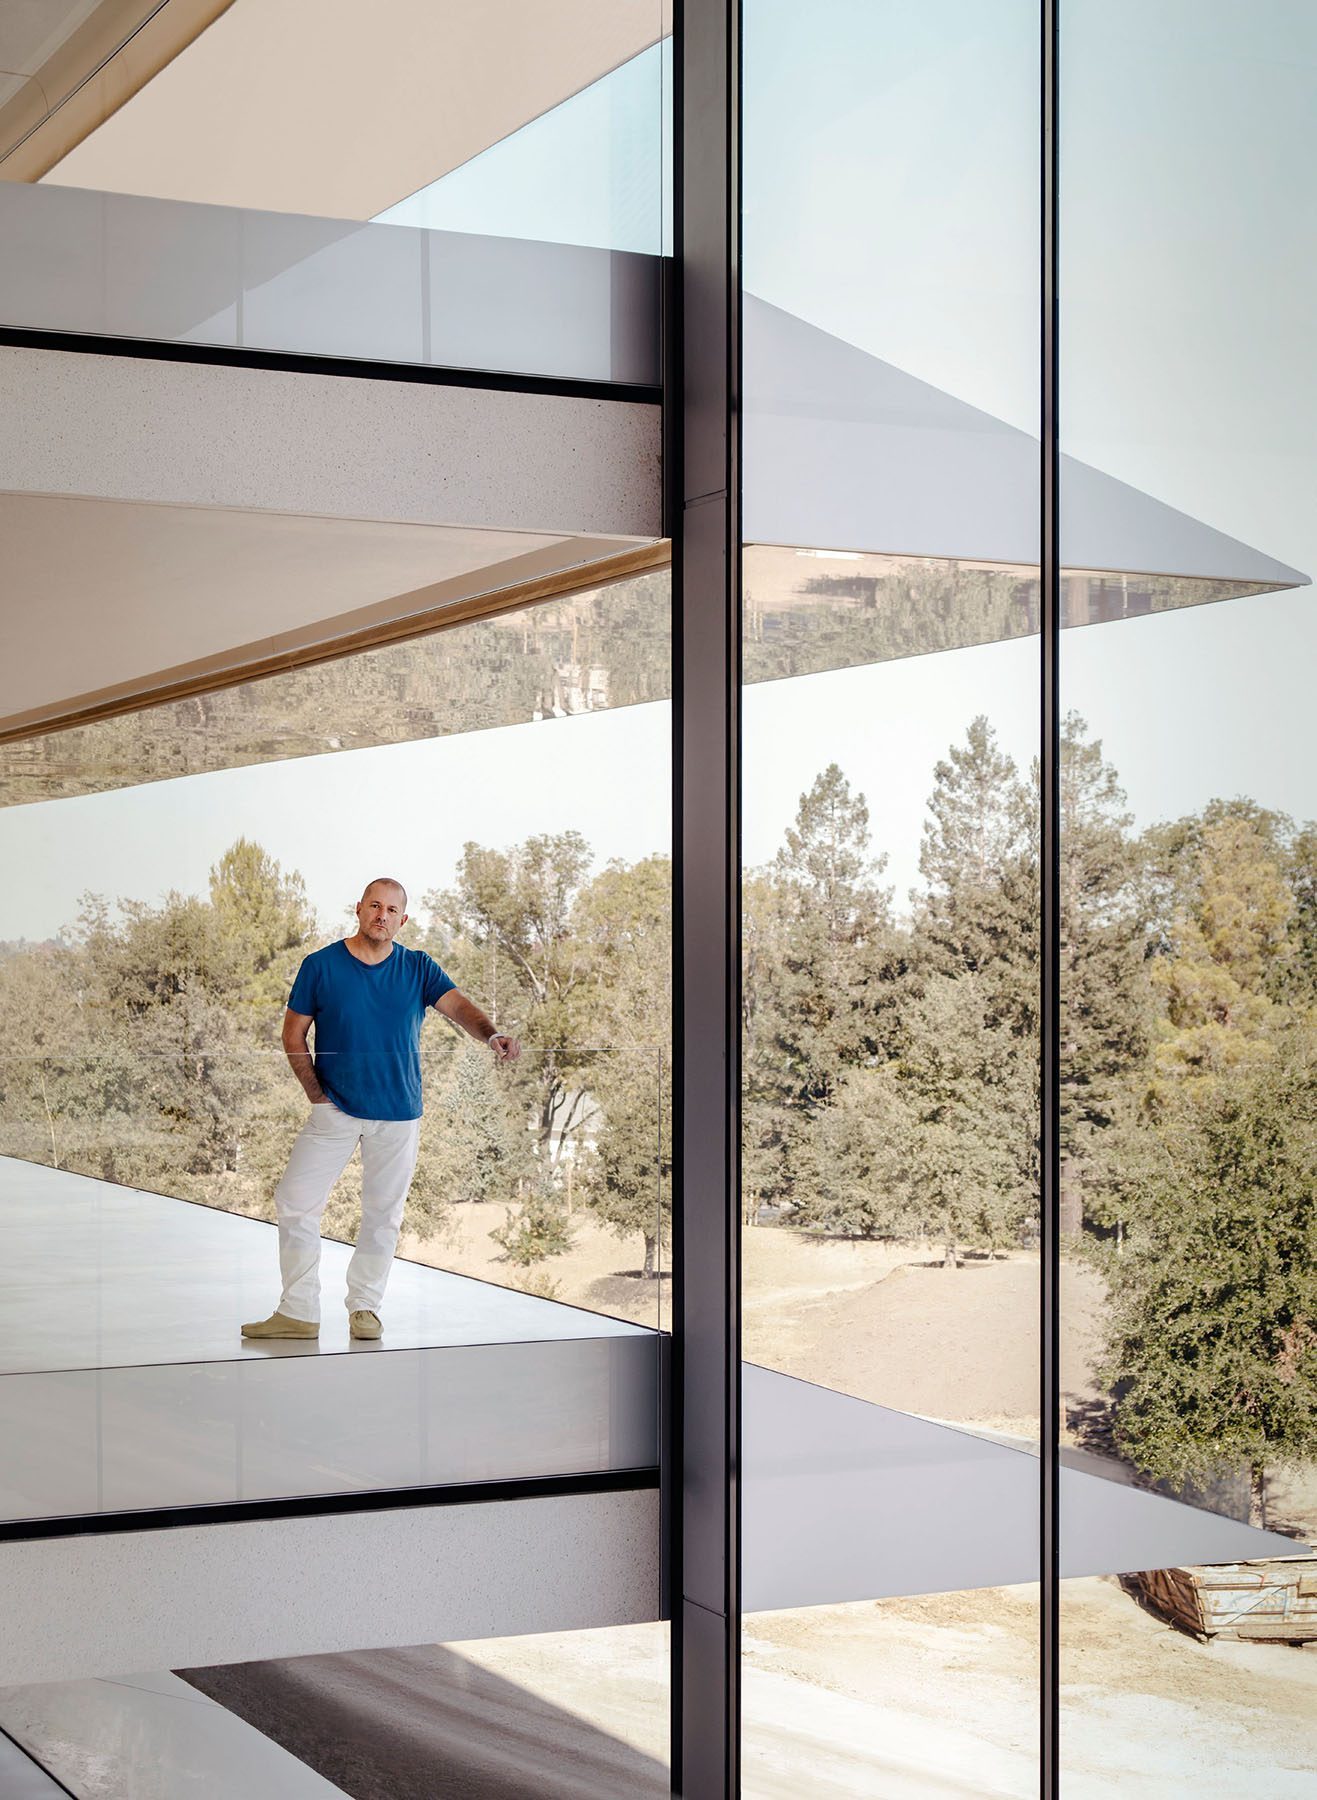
<point x="368" y="1026"/>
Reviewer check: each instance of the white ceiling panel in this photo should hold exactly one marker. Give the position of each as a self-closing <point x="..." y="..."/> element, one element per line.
<point x="331" y="108"/>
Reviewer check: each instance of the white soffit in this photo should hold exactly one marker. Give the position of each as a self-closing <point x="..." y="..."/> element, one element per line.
<point x="99" y="592"/>
<point x="844" y="451"/>
<point x="332" y="108"/>
<point x="896" y="1504"/>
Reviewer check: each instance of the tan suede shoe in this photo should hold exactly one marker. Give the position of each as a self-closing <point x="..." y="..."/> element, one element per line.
<point x="364" y="1324"/>
<point x="279" y="1325"/>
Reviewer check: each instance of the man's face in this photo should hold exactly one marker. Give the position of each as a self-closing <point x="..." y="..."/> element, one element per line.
<point x="379" y="914"/>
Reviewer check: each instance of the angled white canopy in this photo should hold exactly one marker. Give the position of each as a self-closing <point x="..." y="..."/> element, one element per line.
<point x="844" y="451"/>
<point x="845" y="1500"/>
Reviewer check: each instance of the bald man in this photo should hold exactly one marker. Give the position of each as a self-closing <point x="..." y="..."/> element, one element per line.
<point x="366" y="997"/>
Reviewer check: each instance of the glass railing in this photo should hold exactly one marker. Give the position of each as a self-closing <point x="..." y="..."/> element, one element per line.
<point x="137" y="1209"/>
<point x="169" y="271"/>
<point x="548" y="1175"/>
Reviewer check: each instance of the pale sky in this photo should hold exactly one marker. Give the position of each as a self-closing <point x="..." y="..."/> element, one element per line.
<point x="891" y="198"/>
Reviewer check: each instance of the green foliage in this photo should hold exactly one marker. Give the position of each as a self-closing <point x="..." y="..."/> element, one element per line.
<point x="515" y="910"/>
<point x="1224" y="949"/>
<point x="820" y="960"/>
<point x="933" y="1144"/>
<point x="1106" y="1005"/>
<point x="962" y="1026"/>
<point x="1212" y="1334"/>
<point x="628" y="1171"/>
<point x="624" y="929"/>
<point x="264" y="914"/>
<point x="142" y="1047"/>
<point x="534" y="1230"/>
<point x="479" y="1147"/>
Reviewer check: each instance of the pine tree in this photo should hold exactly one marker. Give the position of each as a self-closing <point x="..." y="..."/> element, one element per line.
<point x="623" y="925"/>
<point x="820" y="959"/>
<point x="979" y="859"/>
<point x="937" y="1143"/>
<point x="1211" y="1341"/>
<point x="1105" y="999"/>
<point x="627" y="1176"/>
<point x="827" y="952"/>
<point x="1224" y="949"/>
<point x="264" y="914"/>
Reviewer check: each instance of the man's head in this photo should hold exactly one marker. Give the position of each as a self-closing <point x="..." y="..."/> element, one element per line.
<point x="382" y="910"/>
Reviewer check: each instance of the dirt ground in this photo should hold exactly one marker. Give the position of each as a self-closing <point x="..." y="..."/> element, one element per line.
<point x="931" y="1697"/>
<point x="936" y="1699"/>
<point x="886" y="1322"/>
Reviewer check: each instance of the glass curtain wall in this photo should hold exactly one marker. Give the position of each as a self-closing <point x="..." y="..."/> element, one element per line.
<point x="1189" y="857"/>
<point x="890" y="943"/>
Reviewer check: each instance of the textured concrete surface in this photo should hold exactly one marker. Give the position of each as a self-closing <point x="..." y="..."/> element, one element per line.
<point x="105" y="1604"/>
<point x="194" y="435"/>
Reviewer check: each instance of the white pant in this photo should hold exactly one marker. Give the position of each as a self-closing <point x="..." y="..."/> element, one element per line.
<point x="323" y="1149"/>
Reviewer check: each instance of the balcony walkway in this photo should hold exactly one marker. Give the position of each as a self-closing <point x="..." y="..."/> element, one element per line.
<point x="125" y="1385"/>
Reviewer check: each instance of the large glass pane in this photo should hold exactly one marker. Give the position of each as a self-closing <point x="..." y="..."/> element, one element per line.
<point x="1189" y="1257"/>
<point x="890" y="1254"/>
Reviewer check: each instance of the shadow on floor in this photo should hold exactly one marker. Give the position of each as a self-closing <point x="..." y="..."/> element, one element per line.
<point x="426" y="1724"/>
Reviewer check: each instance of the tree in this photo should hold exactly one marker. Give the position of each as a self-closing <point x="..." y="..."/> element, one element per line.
<point x="265" y="915"/>
<point x="1211" y="1339"/>
<point x="41" y="1037"/>
<point x="820" y="957"/>
<point x="628" y="1173"/>
<point x="1105" y="1000"/>
<point x="535" y="1229"/>
<point x="825" y="860"/>
<point x="1223" y="952"/>
<point x="770" y="1096"/>
<point x="979" y="858"/>
<point x="938" y="1143"/>
<point x="979" y="818"/>
<point x="1301" y="963"/>
<point x="624" y="929"/>
<point x="816" y="954"/>
<point x="517" y="904"/>
<point x="832" y="921"/>
<point x="481" y="1149"/>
